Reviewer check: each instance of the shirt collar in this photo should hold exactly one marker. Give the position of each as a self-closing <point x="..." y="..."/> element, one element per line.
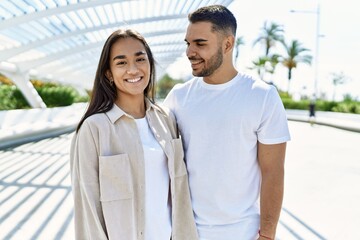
<point x="116" y="112"/>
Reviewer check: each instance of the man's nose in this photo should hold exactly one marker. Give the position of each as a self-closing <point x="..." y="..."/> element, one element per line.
<point x="190" y="52"/>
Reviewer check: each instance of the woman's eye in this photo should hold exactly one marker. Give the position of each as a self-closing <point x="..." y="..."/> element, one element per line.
<point x="122" y="63"/>
<point x="141" y="59"/>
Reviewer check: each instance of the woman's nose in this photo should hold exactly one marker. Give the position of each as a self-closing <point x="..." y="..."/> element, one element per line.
<point x="132" y="69"/>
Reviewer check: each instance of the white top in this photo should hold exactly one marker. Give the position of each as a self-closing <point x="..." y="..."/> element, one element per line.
<point x="220" y="126"/>
<point x="158" y="211"/>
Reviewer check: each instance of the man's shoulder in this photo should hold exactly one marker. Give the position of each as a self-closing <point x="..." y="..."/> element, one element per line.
<point x="255" y="84"/>
<point x="185" y="85"/>
<point x="178" y="92"/>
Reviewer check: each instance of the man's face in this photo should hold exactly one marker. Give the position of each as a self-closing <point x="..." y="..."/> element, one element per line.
<point x="204" y="49"/>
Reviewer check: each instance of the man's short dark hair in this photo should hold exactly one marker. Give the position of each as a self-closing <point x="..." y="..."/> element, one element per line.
<point x="221" y="18"/>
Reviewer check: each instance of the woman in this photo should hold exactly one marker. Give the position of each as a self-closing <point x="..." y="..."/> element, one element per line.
<point x="128" y="175"/>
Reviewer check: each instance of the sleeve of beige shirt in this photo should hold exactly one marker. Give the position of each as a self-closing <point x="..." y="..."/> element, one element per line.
<point x="84" y="163"/>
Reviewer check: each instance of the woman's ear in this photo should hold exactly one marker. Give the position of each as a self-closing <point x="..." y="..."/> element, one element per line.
<point x="108" y="75"/>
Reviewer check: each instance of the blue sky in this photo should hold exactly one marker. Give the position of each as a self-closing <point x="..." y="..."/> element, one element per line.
<point x="339" y="48"/>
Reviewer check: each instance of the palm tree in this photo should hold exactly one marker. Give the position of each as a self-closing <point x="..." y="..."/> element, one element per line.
<point x="338" y="79"/>
<point x="239" y="41"/>
<point x="270" y="34"/>
<point x="265" y="64"/>
<point x="273" y="59"/>
<point x="260" y="66"/>
<point x="272" y="62"/>
<point x="295" y="55"/>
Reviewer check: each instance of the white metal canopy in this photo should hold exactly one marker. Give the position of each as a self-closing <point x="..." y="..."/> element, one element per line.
<point x="62" y="39"/>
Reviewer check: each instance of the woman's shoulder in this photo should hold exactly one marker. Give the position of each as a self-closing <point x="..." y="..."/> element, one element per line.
<point x="96" y="118"/>
<point x="95" y="121"/>
<point x="163" y="110"/>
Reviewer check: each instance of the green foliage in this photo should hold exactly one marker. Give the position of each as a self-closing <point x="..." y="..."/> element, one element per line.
<point x="290" y="104"/>
<point x="57" y="95"/>
<point x="348" y="105"/>
<point x="349" y="98"/>
<point x="11" y="98"/>
<point x="53" y="95"/>
<point x="284" y="95"/>
<point x="323" y="105"/>
<point x="165" y="84"/>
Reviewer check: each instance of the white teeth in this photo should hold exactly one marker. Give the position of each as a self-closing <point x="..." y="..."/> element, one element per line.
<point x="133" y="80"/>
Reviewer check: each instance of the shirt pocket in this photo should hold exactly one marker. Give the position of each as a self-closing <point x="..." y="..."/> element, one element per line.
<point x="179" y="164"/>
<point x="115" y="178"/>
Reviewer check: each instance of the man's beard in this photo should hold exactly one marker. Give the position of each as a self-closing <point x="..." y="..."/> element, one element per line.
<point x="213" y="63"/>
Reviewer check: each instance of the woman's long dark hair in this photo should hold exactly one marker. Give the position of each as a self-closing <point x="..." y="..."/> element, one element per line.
<point x="104" y="94"/>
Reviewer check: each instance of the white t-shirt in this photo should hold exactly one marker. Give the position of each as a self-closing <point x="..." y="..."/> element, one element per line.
<point x="220" y="126"/>
<point x="157" y="207"/>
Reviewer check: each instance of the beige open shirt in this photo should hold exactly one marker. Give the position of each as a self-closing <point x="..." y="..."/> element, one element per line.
<point x="108" y="181"/>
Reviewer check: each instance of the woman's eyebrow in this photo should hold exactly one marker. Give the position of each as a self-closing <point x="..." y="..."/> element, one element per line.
<point x="139" y="53"/>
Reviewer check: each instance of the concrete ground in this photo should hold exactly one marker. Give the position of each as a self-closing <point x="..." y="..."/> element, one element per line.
<point x="322" y="192"/>
<point x="35" y="192"/>
<point x="321" y="195"/>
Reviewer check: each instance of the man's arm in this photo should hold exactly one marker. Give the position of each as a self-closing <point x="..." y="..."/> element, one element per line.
<point x="271" y="160"/>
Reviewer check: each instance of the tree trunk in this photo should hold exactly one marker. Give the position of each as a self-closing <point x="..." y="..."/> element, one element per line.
<point x="289" y="78"/>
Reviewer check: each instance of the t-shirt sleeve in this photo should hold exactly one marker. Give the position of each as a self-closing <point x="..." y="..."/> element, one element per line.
<point x="170" y="99"/>
<point x="273" y="128"/>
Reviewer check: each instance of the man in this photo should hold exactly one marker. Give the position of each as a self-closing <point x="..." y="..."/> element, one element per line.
<point x="234" y="131"/>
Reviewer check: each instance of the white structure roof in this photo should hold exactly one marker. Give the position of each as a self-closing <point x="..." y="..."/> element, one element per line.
<point x="62" y="39"/>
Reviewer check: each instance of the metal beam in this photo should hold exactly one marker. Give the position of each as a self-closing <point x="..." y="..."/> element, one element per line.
<point x="31" y="95"/>
<point x="11" y="22"/>
<point x="8" y="53"/>
<point x="26" y="66"/>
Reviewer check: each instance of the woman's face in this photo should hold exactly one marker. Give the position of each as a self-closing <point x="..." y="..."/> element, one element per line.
<point x="129" y="67"/>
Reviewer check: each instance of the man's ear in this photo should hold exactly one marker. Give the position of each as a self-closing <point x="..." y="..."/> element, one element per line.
<point x="229" y="43"/>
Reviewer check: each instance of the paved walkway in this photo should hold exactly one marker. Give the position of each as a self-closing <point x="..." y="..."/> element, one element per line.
<point x="322" y="173"/>
<point x="35" y="192"/>
<point x="345" y="121"/>
<point x="321" y="197"/>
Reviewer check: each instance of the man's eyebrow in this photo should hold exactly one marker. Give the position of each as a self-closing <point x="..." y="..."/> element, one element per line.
<point x="198" y="40"/>
<point x="139" y="53"/>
